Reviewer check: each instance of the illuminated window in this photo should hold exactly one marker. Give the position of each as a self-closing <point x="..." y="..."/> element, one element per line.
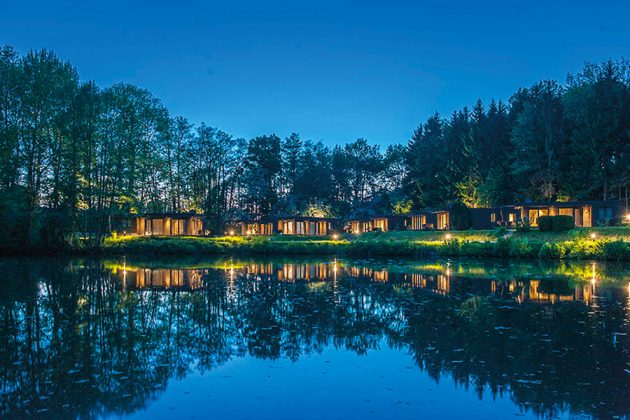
<point x="299" y="228"/>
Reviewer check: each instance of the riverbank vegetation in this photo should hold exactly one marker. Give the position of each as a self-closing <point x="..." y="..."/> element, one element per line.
<point x="598" y="243"/>
<point x="74" y="157"/>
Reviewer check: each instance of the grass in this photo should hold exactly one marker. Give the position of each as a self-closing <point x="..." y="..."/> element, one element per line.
<point x="612" y="243"/>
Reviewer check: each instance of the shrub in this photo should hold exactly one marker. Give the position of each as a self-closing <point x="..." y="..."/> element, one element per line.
<point x="451" y="247"/>
<point x="552" y="251"/>
<point x="584" y="249"/>
<point x="545" y="223"/>
<point x="616" y="250"/>
<point x="520" y="248"/>
<point x="502" y="247"/>
<point x="461" y="218"/>
<point x="500" y="232"/>
<point x="546" y="251"/>
<point x="562" y="223"/>
<point x="476" y="249"/>
<point x="523" y="226"/>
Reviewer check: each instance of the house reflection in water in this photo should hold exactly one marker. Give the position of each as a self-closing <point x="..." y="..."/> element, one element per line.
<point x="160" y="278"/>
<point x="439" y="281"/>
<point x="536" y="291"/>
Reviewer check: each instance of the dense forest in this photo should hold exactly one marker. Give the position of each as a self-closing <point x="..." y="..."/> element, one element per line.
<point x="74" y="156"/>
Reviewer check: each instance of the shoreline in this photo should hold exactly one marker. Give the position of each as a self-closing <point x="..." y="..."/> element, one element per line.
<point x="605" y="244"/>
<point x="612" y="244"/>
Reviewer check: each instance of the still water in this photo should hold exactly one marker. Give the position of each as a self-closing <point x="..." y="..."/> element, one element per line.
<point x="313" y="338"/>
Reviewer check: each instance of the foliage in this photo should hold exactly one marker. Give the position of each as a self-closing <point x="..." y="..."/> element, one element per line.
<point x="558" y="223"/>
<point x="562" y="223"/>
<point x="75" y="158"/>
<point x="461" y="218"/>
<point x="553" y="251"/>
<point x="614" y="245"/>
<point x="545" y="223"/>
<point x="403" y="207"/>
<point x="523" y="226"/>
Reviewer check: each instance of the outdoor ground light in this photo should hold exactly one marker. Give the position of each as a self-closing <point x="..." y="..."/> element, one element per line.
<point x="448" y="237"/>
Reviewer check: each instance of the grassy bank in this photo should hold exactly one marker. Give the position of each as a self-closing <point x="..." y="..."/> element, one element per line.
<point x="598" y="243"/>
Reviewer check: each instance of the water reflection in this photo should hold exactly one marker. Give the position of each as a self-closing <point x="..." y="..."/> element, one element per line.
<point x="90" y="338"/>
<point x="542" y="285"/>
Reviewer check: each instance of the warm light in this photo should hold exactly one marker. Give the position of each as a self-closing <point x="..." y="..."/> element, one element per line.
<point x="335" y="236"/>
<point x="231" y="233"/>
<point x="593" y="235"/>
<point x="356" y="232"/>
<point x="448" y="236"/>
<point x="628" y="217"/>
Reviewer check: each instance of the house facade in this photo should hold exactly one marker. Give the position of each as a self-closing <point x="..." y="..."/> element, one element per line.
<point x="430" y="219"/>
<point x="305" y="226"/>
<point x="384" y="223"/>
<point x="584" y="213"/>
<point x="168" y="224"/>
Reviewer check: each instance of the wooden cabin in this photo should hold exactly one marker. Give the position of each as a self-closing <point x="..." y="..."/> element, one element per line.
<point x="483" y="218"/>
<point x="252" y="228"/>
<point x="384" y="223"/>
<point x="430" y="219"/>
<point x="584" y="213"/>
<point x="307" y="226"/>
<point x="168" y="224"/>
<point x="358" y="226"/>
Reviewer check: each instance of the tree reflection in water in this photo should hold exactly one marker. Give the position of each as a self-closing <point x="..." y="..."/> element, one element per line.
<point x="89" y="338"/>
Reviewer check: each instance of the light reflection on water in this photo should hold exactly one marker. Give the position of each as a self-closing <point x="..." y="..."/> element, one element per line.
<point x="305" y="337"/>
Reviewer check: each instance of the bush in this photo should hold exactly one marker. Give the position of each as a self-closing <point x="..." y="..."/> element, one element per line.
<point x="476" y="249"/>
<point x="461" y="219"/>
<point x="520" y="248"/>
<point x="563" y="223"/>
<point x="560" y="223"/>
<point x="616" y="250"/>
<point x="545" y="223"/>
<point x="499" y="232"/>
<point x="451" y="247"/>
<point x="524" y="226"/>
<point x="584" y="249"/>
<point x="502" y="248"/>
<point x="552" y="251"/>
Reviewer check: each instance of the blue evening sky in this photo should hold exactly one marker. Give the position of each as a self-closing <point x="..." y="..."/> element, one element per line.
<point x="332" y="71"/>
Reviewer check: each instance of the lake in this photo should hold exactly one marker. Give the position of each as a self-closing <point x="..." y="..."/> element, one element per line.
<point x="313" y="338"/>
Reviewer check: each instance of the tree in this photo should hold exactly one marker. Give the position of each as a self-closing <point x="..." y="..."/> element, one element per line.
<point x="538" y="135"/>
<point x="425" y="161"/>
<point x="291" y="160"/>
<point x="597" y="115"/>
<point x="262" y="170"/>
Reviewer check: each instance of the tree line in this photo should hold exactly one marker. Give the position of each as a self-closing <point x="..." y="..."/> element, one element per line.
<point x="75" y="156"/>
